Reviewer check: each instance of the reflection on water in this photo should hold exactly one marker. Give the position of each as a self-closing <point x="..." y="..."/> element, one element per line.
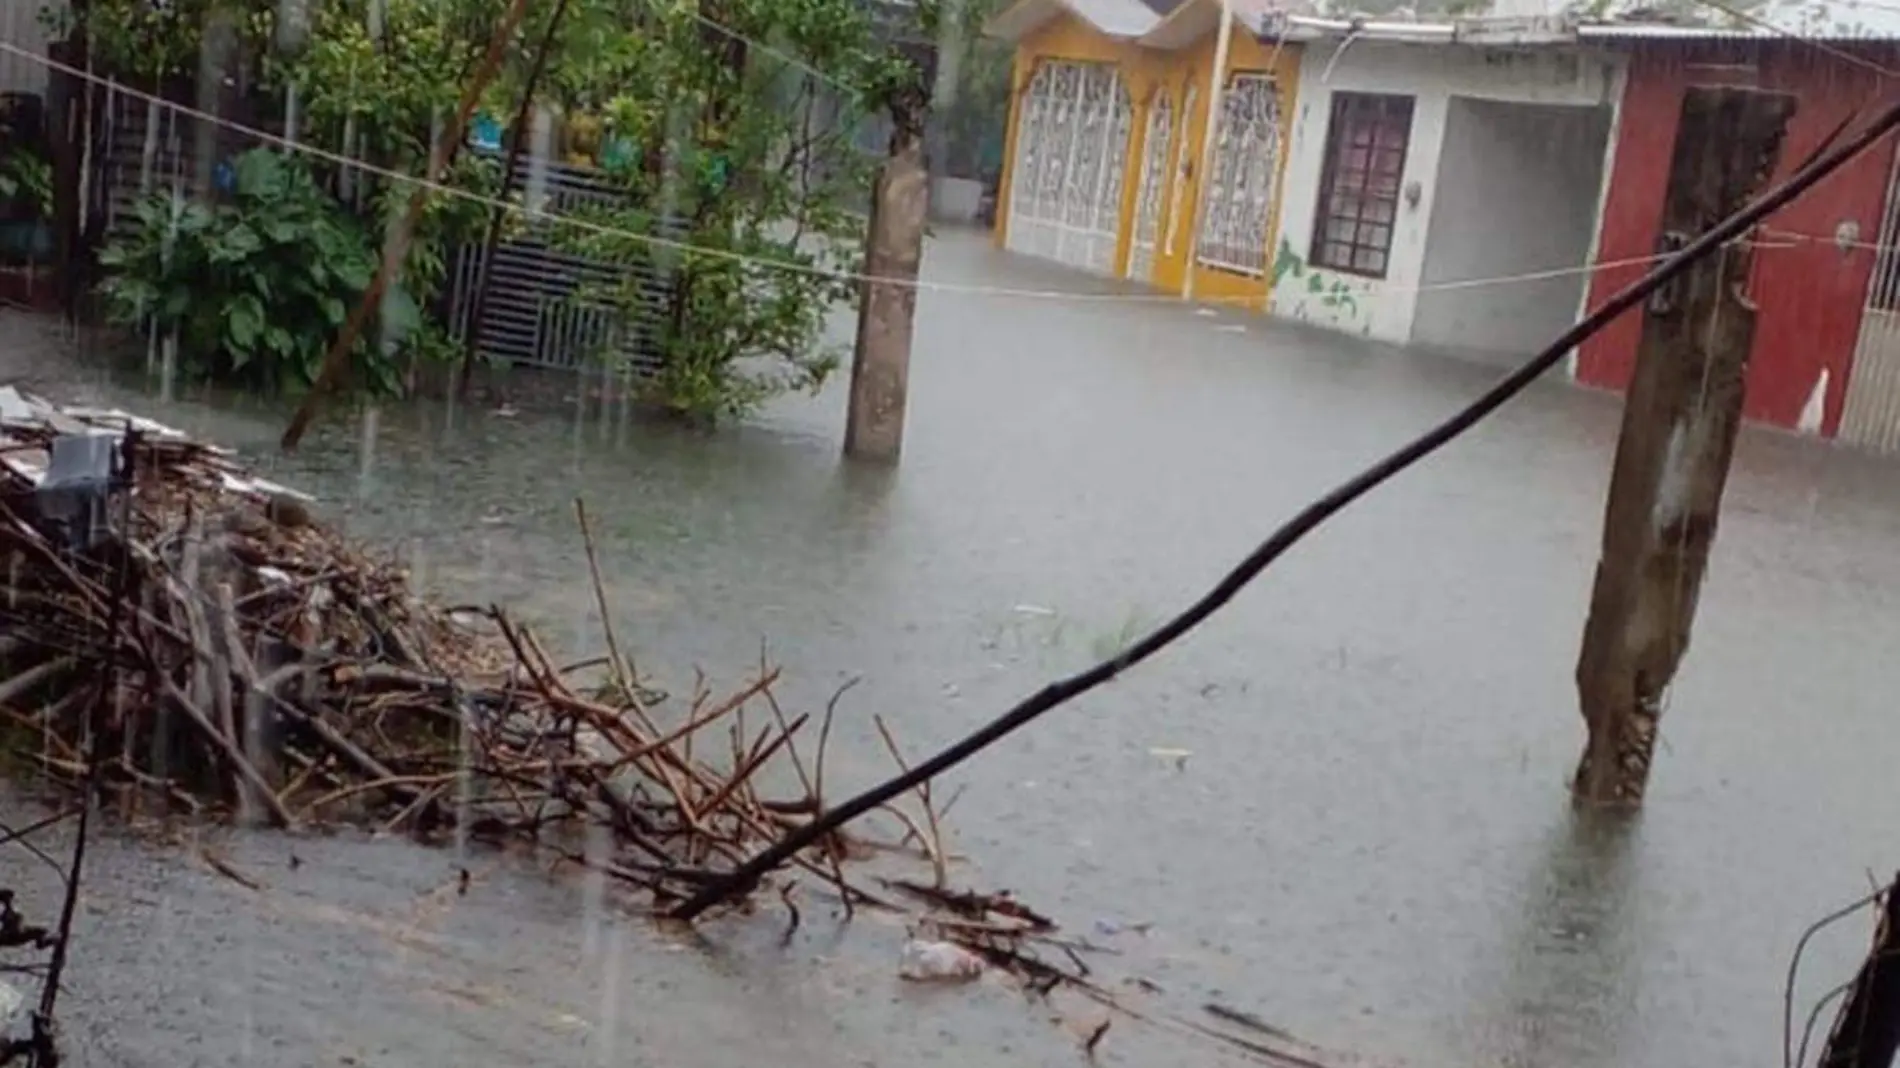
<point x="1573" y="978"/>
<point x="1369" y="842"/>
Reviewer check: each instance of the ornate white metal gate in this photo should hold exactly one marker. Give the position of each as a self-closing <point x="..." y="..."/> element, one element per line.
<point x="1871" y="417"/>
<point x="1071" y="146"/>
<point x="1153" y="189"/>
<point x="1237" y="197"/>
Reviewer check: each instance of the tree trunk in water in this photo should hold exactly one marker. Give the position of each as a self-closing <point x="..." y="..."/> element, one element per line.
<point x="1672" y="459"/>
<point x="880" y="365"/>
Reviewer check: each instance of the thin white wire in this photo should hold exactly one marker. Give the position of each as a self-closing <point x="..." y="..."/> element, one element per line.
<point x="604" y="230"/>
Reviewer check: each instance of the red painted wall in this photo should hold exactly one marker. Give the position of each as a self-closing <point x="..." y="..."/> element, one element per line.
<point x="1808" y="291"/>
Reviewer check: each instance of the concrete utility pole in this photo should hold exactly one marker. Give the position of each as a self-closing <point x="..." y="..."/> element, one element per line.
<point x="1672" y="458"/>
<point x="894" y="250"/>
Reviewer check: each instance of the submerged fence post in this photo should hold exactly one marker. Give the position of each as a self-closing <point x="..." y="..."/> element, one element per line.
<point x="1672" y="458"/>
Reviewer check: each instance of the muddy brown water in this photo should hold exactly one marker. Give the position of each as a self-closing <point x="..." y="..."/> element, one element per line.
<point x="1369" y="843"/>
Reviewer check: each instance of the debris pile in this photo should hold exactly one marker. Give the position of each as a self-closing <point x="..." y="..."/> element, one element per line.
<point x="264" y="666"/>
<point x="176" y="632"/>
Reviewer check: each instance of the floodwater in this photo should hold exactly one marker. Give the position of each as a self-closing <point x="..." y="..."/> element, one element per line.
<point x="1370" y="844"/>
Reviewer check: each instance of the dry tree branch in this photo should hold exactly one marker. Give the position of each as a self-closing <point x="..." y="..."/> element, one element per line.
<point x="933" y="844"/>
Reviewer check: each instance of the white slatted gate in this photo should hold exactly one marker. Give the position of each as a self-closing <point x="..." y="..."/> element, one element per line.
<point x="1071" y="146"/>
<point x="1154" y="188"/>
<point x="1871" y="417"/>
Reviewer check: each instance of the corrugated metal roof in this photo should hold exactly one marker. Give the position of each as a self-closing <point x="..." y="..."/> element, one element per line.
<point x="1115" y="18"/>
<point x="1661" y="31"/>
<point x="1173" y="23"/>
<point x="1656" y="31"/>
<point x="1553" y="31"/>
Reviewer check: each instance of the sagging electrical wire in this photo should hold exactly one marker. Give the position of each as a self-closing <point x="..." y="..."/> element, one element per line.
<point x="1295" y="530"/>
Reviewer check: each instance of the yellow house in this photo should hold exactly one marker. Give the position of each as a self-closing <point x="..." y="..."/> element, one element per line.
<point x="1108" y="166"/>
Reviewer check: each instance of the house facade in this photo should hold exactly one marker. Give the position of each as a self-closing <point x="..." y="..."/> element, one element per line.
<point x="1471" y="186"/>
<point x="1824" y="280"/>
<point x="1110" y="167"/>
<point x="1429" y="164"/>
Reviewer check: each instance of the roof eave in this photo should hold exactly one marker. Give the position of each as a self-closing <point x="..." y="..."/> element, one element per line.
<point x="1024" y="17"/>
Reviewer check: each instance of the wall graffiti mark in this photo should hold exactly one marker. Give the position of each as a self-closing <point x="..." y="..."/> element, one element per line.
<point x="1328" y="291"/>
<point x="1285" y="262"/>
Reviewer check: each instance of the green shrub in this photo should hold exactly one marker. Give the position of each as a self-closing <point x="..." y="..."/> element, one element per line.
<point x="27" y="180"/>
<point x="255" y="287"/>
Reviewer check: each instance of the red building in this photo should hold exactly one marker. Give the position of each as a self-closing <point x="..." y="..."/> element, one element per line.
<point x="1826" y="356"/>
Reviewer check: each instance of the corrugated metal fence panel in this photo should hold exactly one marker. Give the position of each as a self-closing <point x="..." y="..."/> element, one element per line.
<point x="120" y="170"/>
<point x="20" y="27"/>
<point x="1870" y="417"/>
<point x="538" y="311"/>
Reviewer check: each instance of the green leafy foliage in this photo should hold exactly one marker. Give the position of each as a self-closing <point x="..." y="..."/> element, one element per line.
<point x="751" y="160"/>
<point x="447" y="221"/>
<point x="392" y="88"/>
<point x="149" y="41"/>
<point x="755" y="159"/>
<point x="391" y="85"/>
<point x="26" y="180"/>
<point x="256" y="288"/>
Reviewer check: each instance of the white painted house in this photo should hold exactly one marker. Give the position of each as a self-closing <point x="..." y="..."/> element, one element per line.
<point x="1424" y="168"/>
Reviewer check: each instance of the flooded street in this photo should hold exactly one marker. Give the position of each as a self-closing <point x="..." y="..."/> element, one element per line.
<point x="1370" y="844"/>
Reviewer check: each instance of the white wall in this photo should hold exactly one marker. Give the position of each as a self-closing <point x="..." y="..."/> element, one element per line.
<point x="955" y="200"/>
<point x="1517" y="195"/>
<point x="1432" y="75"/>
<point x="20" y="26"/>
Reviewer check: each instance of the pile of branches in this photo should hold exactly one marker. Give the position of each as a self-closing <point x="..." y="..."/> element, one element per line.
<point x="263" y="666"/>
<point x="218" y="651"/>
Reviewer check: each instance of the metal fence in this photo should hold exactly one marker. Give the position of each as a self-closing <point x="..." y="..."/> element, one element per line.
<point x="536" y="313"/>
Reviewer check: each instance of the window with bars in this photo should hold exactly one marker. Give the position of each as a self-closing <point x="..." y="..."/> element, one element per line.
<point x="1240" y="185"/>
<point x="1359" y="187"/>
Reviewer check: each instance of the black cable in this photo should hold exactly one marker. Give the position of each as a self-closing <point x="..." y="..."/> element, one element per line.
<point x="747" y="875"/>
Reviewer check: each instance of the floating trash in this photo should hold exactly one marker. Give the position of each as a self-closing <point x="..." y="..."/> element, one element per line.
<point x="938" y="962"/>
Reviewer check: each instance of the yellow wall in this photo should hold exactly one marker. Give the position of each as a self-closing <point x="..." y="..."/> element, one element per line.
<point x="1146" y="72"/>
<point x="1066" y="37"/>
<point x="1244" y="56"/>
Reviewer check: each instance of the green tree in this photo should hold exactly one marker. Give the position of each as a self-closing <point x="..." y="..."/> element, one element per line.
<point x="741" y="192"/>
<point x="748" y="167"/>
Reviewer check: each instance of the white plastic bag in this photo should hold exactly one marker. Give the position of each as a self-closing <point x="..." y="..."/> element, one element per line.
<point x="938" y="962"/>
